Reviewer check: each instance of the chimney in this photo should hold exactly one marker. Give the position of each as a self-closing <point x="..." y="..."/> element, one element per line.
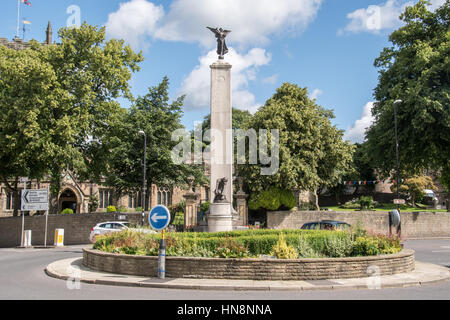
<point x="49" y="34"/>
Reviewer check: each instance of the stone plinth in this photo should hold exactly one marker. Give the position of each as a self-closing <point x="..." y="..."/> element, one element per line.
<point x="220" y="218"/>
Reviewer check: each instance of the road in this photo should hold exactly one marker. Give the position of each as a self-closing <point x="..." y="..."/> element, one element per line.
<point x="22" y="277"/>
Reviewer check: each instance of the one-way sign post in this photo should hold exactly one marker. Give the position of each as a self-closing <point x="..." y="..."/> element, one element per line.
<point x="159" y="218"/>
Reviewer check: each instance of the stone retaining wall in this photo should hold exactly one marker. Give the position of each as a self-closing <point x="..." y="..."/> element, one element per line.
<point x="414" y="224"/>
<point x="252" y="269"/>
<point x="77" y="227"/>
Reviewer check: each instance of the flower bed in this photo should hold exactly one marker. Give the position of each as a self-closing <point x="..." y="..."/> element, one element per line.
<point x="252" y="254"/>
<point x="282" y="244"/>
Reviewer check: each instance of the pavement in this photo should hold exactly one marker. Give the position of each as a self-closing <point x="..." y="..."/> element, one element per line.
<point x="73" y="270"/>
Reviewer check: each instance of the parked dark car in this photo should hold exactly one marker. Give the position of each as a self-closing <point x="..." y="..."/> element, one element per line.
<point x="326" y="225"/>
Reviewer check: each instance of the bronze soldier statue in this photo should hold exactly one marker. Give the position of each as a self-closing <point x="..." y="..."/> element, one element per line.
<point x="220" y="187"/>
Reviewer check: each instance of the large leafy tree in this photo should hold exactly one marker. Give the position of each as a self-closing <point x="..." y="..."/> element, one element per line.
<point x="312" y="152"/>
<point x="63" y="95"/>
<point x="26" y="97"/>
<point x="124" y="148"/>
<point x="416" y="70"/>
<point x="360" y="170"/>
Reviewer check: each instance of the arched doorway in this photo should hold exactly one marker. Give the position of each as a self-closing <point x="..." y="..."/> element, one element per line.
<point x="68" y="199"/>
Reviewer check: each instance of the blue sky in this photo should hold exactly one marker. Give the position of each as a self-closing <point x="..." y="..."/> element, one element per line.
<point x="328" y="46"/>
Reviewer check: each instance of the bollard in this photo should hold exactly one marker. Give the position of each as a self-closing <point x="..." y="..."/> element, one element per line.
<point x="26" y="238"/>
<point x="59" y="238"/>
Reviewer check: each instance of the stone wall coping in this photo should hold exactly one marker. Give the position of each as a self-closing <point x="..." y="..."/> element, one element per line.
<point x="401" y="254"/>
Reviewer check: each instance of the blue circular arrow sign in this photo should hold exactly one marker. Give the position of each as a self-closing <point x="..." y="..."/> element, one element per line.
<point x="159" y="217"/>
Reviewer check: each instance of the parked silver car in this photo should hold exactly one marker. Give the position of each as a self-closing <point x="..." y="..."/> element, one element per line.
<point x="113" y="226"/>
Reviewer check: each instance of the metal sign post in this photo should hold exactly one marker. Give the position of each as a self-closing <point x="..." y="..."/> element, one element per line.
<point x="46" y="224"/>
<point x="24" y="180"/>
<point x="159" y="218"/>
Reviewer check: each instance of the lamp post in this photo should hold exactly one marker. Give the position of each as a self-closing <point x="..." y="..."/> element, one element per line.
<point x="142" y="133"/>
<point x="396" y="146"/>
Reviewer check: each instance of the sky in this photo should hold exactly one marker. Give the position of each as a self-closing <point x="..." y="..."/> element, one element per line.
<point x="327" y="46"/>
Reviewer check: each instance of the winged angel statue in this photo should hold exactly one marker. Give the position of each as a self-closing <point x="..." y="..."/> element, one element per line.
<point x="221" y="45"/>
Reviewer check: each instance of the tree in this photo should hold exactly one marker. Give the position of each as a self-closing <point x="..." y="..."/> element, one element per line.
<point x="311" y="150"/>
<point x="416" y="70"/>
<point x="413" y="188"/>
<point x="124" y="149"/>
<point x="26" y="92"/>
<point x="63" y="95"/>
<point x="361" y="169"/>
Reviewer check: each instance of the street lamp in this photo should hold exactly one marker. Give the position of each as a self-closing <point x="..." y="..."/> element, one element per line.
<point x="142" y="133"/>
<point x="396" y="146"/>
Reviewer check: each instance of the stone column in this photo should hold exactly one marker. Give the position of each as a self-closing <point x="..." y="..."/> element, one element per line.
<point x="221" y="147"/>
<point x="221" y="127"/>
<point x="190" y="210"/>
<point x="241" y="205"/>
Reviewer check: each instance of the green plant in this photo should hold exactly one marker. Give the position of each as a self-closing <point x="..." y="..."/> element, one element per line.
<point x="305" y="250"/>
<point x="282" y="250"/>
<point x="251" y="243"/>
<point x="272" y="199"/>
<point x="366" y="202"/>
<point x="67" y="211"/>
<point x="205" y="206"/>
<point x="353" y="204"/>
<point x="138" y="209"/>
<point x="123" y="209"/>
<point x="93" y="204"/>
<point x="111" y="209"/>
<point x="339" y="245"/>
<point x="228" y="248"/>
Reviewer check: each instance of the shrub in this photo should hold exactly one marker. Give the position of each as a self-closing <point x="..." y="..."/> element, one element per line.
<point x="229" y="248"/>
<point x="272" y="199"/>
<point x="111" y="209"/>
<point x="205" y="206"/>
<point x="304" y="249"/>
<point x="287" y="199"/>
<point x="123" y="209"/>
<point x="93" y="204"/>
<point x="252" y="243"/>
<point x="179" y="207"/>
<point x="353" y="204"/>
<point x="282" y="250"/>
<point x="338" y="245"/>
<point x="366" y="202"/>
<point x="67" y="211"/>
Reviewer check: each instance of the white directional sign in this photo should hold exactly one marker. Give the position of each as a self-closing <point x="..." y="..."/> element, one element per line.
<point x="399" y="201"/>
<point x="34" y="200"/>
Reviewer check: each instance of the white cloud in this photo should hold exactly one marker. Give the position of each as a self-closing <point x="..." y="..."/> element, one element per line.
<point x="271" y="80"/>
<point x="436" y="4"/>
<point x="357" y="132"/>
<point x="196" y="86"/>
<point x="134" y="22"/>
<point x="376" y="18"/>
<point x="251" y="21"/>
<point x="315" y="94"/>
